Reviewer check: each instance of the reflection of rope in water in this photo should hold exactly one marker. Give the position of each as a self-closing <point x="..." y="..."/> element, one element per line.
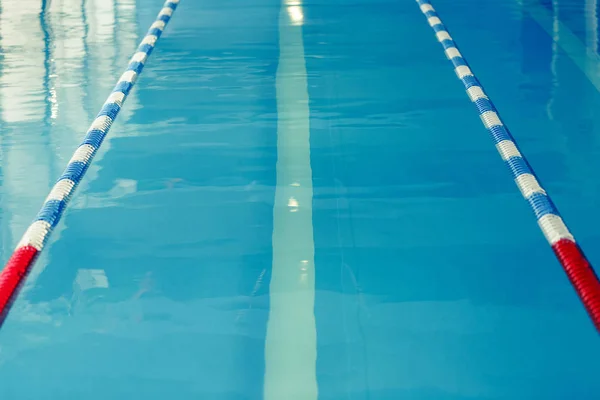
<point x="578" y="269"/>
<point x="257" y="285"/>
<point x="49" y="90"/>
<point x="20" y="263"/>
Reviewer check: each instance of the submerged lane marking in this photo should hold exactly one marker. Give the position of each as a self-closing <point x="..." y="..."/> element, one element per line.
<point x="291" y="340"/>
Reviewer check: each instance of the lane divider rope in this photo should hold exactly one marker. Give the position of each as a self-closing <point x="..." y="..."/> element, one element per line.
<point x="20" y="263"/>
<point x="569" y="254"/>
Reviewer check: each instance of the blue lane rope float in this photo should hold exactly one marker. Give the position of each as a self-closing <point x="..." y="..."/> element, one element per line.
<point x="20" y="263"/>
<point x="571" y="257"/>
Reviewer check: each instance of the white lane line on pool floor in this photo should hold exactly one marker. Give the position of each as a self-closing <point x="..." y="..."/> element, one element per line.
<point x="291" y="340"/>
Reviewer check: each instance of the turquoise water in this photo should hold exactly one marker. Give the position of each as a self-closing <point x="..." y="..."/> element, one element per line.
<point x="188" y="262"/>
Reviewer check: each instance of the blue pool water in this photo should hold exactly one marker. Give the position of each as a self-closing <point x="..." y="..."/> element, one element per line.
<point x="298" y="197"/>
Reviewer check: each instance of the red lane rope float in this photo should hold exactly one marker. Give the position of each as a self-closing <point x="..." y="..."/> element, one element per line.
<point x="581" y="275"/>
<point x="14" y="273"/>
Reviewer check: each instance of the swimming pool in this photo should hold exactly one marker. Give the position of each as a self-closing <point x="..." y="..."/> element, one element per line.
<point x="298" y="198"/>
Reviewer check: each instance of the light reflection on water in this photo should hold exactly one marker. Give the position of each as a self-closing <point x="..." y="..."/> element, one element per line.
<point x="57" y="67"/>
